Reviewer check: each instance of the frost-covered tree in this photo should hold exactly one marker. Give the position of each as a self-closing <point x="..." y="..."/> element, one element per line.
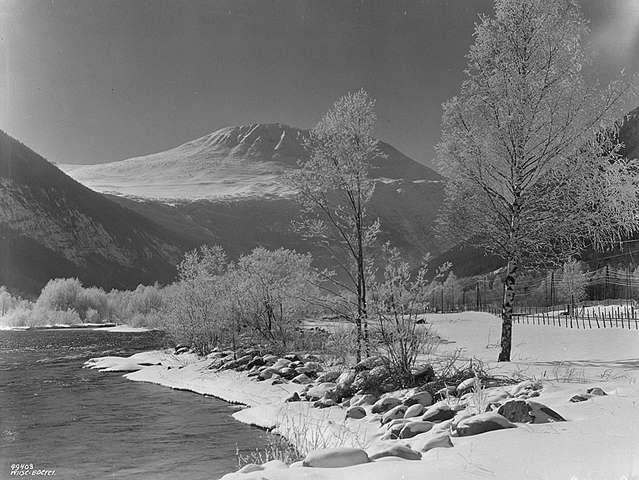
<point x="528" y="150"/>
<point x="334" y="192"/>
<point x="572" y="286"/>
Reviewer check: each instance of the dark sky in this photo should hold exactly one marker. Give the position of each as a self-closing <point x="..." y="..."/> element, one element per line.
<point x="85" y="81"/>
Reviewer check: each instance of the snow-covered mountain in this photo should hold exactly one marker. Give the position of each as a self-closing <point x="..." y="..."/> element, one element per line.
<point x="231" y="163"/>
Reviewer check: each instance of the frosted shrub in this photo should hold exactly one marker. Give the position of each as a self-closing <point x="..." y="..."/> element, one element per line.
<point x="60" y="294"/>
<point x="397" y="301"/>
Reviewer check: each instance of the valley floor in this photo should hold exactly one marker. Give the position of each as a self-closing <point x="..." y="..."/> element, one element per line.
<point x="599" y="440"/>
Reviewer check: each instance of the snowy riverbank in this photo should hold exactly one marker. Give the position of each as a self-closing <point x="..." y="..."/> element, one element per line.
<point x="598" y="440"/>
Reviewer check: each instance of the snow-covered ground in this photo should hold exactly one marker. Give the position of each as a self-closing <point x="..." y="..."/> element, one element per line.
<point x="599" y="440"/>
<point x="122" y="329"/>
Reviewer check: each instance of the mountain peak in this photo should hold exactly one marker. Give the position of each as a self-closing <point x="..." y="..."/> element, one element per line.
<point x="232" y="162"/>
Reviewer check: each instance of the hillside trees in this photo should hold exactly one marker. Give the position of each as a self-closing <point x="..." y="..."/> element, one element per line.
<point x="334" y="190"/>
<point x="528" y="146"/>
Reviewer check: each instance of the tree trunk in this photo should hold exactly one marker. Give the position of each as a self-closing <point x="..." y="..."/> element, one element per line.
<point x="507" y="313"/>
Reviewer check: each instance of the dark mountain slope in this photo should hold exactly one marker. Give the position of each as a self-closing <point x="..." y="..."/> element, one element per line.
<point x="51" y="226"/>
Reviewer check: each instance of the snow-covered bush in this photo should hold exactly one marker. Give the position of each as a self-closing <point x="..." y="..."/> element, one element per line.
<point x="397" y="301"/>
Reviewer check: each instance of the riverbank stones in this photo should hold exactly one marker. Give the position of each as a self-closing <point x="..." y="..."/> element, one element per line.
<point x="336" y="458"/>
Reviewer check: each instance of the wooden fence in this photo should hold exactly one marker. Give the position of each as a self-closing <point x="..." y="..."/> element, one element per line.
<point x="581" y="316"/>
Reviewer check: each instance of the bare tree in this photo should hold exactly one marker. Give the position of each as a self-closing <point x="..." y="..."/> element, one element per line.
<point x="573" y="282"/>
<point x="334" y="191"/>
<point x="528" y="146"/>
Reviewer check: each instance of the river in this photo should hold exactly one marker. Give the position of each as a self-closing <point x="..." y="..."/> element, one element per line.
<point x="84" y="424"/>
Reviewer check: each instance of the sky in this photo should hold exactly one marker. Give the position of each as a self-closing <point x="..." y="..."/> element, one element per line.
<point x="88" y="81"/>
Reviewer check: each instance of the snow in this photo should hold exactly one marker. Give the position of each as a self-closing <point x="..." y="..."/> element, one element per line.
<point x="599" y="440"/>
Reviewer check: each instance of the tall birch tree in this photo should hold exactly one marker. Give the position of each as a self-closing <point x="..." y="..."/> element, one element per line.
<point x="334" y="191"/>
<point x="529" y="148"/>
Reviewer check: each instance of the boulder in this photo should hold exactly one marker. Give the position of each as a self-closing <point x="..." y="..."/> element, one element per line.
<point x="401" y="451"/>
<point x="355" y="413"/>
<point x="255" y="362"/>
<point x="302" y="379"/>
<point x="424" y="374"/>
<point x="287" y="372"/>
<point x="281" y="363"/>
<point x="414" y="411"/>
<point x="394" y="429"/>
<point x="369" y="363"/>
<point x="482" y="423"/>
<point x="336" y="458"/>
<point x="345" y="380"/>
<point x="361" y="381"/>
<point x="424" y="399"/>
<point x="439" y="441"/>
<point x="465" y="386"/>
<point x="414" y="428"/>
<point x="179" y="349"/>
<point x="438" y="413"/>
<point x="266" y="373"/>
<point x="378" y="375"/>
<point x="363" y="399"/>
<point x="269" y="359"/>
<point x="543" y="414"/>
<point x="597" y="391"/>
<point x="394" y="413"/>
<point x="580" y="397"/>
<point x="318" y="391"/>
<point x="292" y="357"/>
<point x="278" y="380"/>
<point x="328" y="377"/>
<point x="383" y="405"/>
<point x="325" y="403"/>
<point x="517" y="411"/>
<point x="293" y="398"/>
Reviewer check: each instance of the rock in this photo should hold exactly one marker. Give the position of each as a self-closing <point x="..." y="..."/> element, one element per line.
<point x="309" y="367"/>
<point x="292" y="357"/>
<point x="440" y="441"/>
<point x="438" y="413"/>
<point x="279" y="381"/>
<point x="466" y="385"/>
<point x="287" y="372"/>
<point x="255" y="362"/>
<point x="543" y="414"/>
<point x="363" y="399"/>
<point x="269" y="359"/>
<point x="394" y="429"/>
<point x="424" y="399"/>
<point x="325" y="403"/>
<point x="179" y="349"/>
<point x="293" y="398"/>
<point x="251" y="467"/>
<point x="517" y="411"/>
<point x="302" y="379"/>
<point x="383" y="405"/>
<point x="401" y="451"/>
<point x="424" y="374"/>
<point x="481" y="423"/>
<point x="378" y="375"/>
<point x="521" y="386"/>
<point x="328" y="377"/>
<point x="355" y="413"/>
<point x="413" y="428"/>
<point x="394" y="413"/>
<point x="369" y="363"/>
<point x="597" y="391"/>
<point x="266" y="373"/>
<point x="581" y="397"/>
<point x="281" y="363"/>
<point x="336" y="458"/>
<point x="345" y="380"/>
<point x="318" y="391"/>
<point x="445" y="392"/>
<point x="361" y="381"/>
<point x="414" y="411"/>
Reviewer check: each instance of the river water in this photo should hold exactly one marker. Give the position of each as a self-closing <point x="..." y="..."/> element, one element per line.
<point x="55" y="415"/>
